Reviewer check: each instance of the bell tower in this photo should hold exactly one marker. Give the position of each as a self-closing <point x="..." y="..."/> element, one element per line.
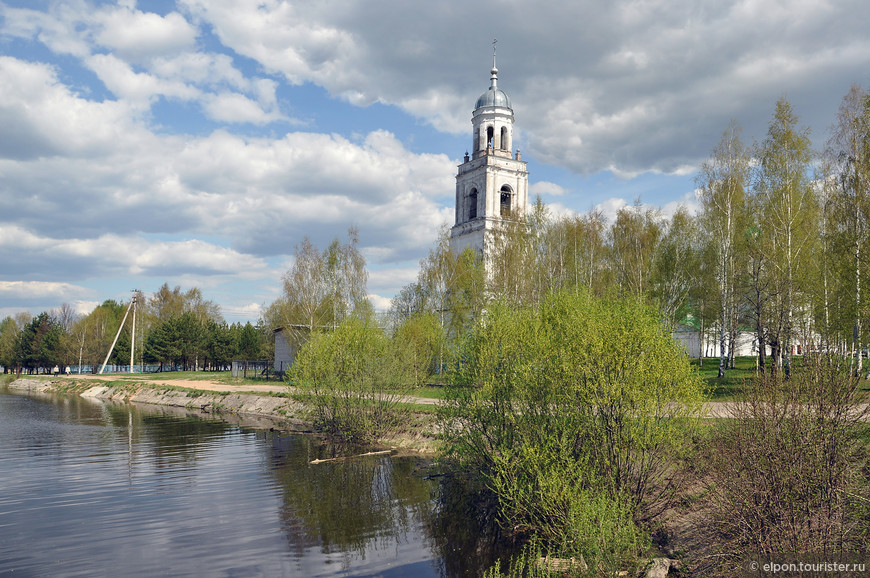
<point x="492" y="184"/>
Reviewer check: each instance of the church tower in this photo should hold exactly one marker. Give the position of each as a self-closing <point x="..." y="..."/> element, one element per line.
<point x="492" y="184"/>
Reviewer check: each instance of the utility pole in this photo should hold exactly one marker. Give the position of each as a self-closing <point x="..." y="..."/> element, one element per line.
<point x="118" y="334"/>
<point x="133" y="331"/>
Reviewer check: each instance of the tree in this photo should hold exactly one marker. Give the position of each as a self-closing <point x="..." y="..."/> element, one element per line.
<point x="423" y="338"/>
<point x="10" y="335"/>
<point x="96" y="331"/>
<point x="675" y="267"/>
<point x="634" y="236"/>
<point x="249" y="344"/>
<point x="722" y="182"/>
<point x="787" y="208"/>
<point x="166" y="303"/>
<point x="220" y="345"/>
<point x="847" y="156"/>
<point x="517" y="253"/>
<point x="320" y="289"/>
<point x="578" y="255"/>
<point x="39" y="343"/>
<point x="452" y="287"/>
<point x="161" y="344"/>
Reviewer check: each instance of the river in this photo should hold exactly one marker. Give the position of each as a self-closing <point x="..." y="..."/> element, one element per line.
<point x="95" y="489"/>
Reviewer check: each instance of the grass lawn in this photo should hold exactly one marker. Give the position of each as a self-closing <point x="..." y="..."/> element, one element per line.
<point x="430" y="391"/>
<point x="213" y="376"/>
<point x="731" y="386"/>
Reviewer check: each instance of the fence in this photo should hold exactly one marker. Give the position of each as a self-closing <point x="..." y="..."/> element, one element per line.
<point x="256" y="370"/>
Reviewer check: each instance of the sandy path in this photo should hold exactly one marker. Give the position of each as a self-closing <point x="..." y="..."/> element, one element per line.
<point x="713" y="409"/>
<point x="200" y="384"/>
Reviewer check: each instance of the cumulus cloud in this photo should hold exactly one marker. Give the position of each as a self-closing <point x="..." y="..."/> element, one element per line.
<point x="624" y="86"/>
<point x="137" y="35"/>
<point x="546" y="188"/>
<point x="94" y="171"/>
<point x="40" y="290"/>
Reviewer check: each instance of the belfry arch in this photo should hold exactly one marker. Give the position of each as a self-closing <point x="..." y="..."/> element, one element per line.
<point x="505" y="198"/>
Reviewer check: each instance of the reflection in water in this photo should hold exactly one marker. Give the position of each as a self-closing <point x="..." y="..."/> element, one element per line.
<point x="92" y="488"/>
<point x="353" y="510"/>
<point x="465" y="537"/>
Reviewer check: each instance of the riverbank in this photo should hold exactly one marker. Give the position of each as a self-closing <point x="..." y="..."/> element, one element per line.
<point x="264" y="406"/>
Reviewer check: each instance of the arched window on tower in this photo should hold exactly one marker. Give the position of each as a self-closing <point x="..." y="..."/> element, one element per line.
<point x="489" y="137"/>
<point x="505" y="201"/>
<point x="472" y="204"/>
<point x="504" y="145"/>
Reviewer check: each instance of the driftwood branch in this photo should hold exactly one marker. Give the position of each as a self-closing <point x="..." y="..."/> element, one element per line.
<point x="338" y="459"/>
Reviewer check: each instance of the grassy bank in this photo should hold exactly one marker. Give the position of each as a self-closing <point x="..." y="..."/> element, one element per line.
<point x="734" y="384"/>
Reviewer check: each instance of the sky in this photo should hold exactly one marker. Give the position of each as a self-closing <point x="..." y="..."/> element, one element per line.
<point x="198" y="142"/>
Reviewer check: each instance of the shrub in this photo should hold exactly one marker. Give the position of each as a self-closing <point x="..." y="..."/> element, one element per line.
<point x="786" y="473"/>
<point x="357" y="377"/>
<point x="570" y="412"/>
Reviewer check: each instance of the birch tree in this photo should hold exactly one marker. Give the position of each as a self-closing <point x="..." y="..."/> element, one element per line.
<point x="722" y="182"/>
<point x="634" y="236"/>
<point x="848" y="155"/>
<point x="676" y="266"/>
<point x="788" y="208"/>
<point x="322" y="288"/>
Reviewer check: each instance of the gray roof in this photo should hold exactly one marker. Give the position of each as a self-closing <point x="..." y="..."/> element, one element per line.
<point x="494" y="96"/>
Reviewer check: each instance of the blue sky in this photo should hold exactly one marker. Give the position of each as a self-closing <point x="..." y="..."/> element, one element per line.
<point x="196" y="142"/>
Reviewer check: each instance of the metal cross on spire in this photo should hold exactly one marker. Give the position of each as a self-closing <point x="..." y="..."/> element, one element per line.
<point x="494" y="42"/>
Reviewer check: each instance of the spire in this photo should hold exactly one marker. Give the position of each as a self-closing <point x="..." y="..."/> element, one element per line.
<point x="494" y="78"/>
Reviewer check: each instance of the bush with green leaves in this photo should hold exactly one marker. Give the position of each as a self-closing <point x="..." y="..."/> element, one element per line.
<point x="573" y="412"/>
<point x="356" y="377"/>
<point x="424" y="339"/>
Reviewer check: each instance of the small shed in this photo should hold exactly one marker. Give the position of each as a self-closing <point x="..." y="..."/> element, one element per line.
<point x="288" y="340"/>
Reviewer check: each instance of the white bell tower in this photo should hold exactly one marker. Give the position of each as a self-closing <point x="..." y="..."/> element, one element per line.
<point x="492" y="184"/>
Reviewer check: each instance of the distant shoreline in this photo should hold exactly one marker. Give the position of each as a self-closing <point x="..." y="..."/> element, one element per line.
<point x="246" y="405"/>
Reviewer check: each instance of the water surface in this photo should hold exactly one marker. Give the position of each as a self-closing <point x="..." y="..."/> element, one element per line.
<point x="89" y="489"/>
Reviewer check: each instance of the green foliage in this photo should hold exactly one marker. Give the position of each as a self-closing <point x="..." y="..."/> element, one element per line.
<point x="9" y="336"/>
<point x="220" y="344"/>
<point x="569" y="411"/>
<point x="788" y="215"/>
<point x="39" y="343"/>
<point x="634" y="236"/>
<point x="178" y="340"/>
<point x="249" y="342"/>
<point x="357" y="378"/>
<point x="423" y="339"/>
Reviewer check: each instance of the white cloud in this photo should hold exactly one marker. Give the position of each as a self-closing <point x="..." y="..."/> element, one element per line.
<point x="138" y="36"/>
<point x="59" y="30"/>
<point x="546" y="188"/>
<point x="43" y="118"/>
<point x="634" y="88"/>
<point x="21" y="290"/>
<point x="378" y="302"/>
<point x="200" y="68"/>
<point x="611" y="207"/>
<point x="136" y="87"/>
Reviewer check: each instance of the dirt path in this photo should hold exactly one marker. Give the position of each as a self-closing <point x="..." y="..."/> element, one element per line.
<point x="199" y="384"/>
<point x="713" y="409"/>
